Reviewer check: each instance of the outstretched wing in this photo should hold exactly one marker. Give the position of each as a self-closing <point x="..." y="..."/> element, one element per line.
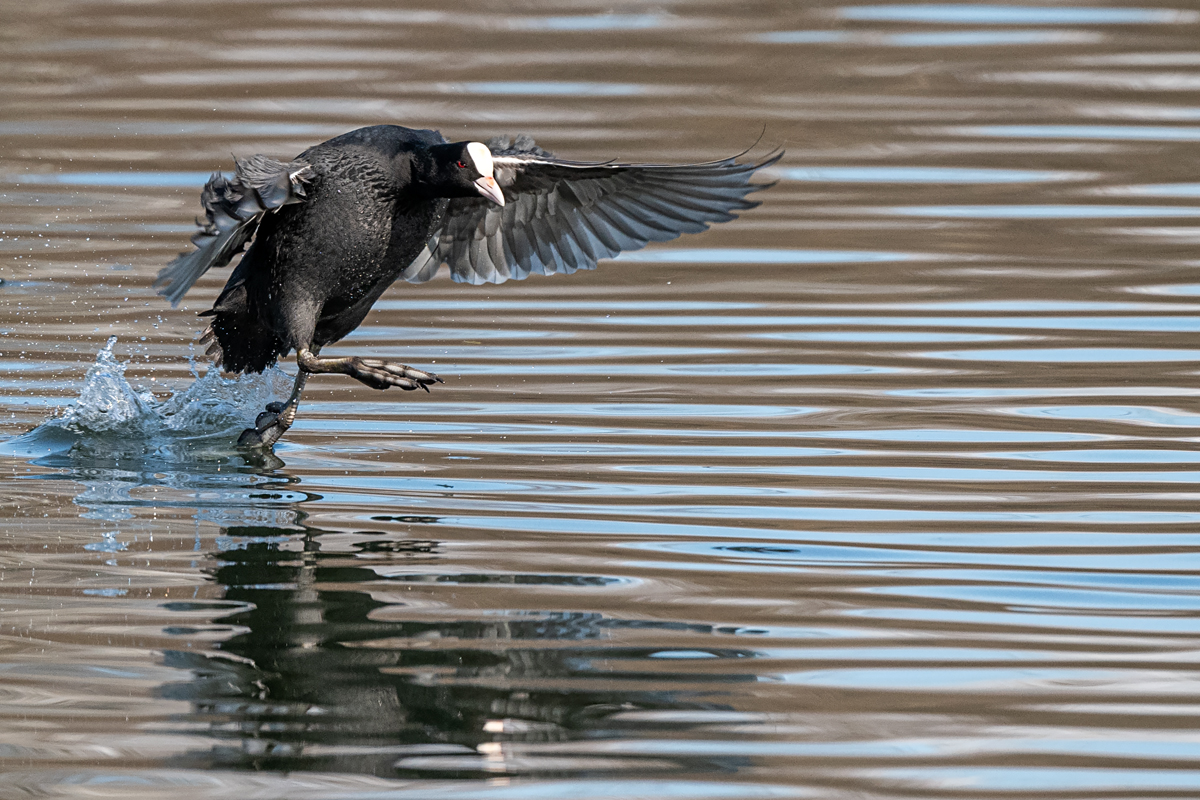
<point x="562" y="216"/>
<point x="232" y="211"/>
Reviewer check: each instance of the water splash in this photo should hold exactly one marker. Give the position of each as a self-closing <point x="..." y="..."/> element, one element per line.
<point x="112" y="420"/>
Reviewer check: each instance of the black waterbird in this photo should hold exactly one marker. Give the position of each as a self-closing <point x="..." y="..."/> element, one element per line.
<point x="330" y="231"/>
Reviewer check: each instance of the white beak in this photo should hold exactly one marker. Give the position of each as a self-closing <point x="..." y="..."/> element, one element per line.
<point x="488" y="188"/>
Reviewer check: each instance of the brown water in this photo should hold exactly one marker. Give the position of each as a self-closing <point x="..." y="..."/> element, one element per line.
<point x="886" y="490"/>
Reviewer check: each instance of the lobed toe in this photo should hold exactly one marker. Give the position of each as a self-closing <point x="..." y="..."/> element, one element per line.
<point x="266" y="419"/>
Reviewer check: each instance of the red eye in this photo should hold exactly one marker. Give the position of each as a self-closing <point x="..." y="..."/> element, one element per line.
<point x="462" y="165"/>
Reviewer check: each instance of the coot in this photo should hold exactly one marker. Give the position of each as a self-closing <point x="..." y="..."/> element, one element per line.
<point x="331" y="230"/>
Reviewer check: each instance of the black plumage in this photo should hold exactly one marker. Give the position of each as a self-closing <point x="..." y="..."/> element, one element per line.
<point x="331" y="230"/>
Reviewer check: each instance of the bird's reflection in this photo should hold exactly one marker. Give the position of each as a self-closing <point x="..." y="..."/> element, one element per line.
<point x="321" y="674"/>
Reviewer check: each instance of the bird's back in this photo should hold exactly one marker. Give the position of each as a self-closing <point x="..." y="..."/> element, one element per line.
<point x="350" y="240"/>
<point x="332" y="247"/>
<point x="387" y="140"/>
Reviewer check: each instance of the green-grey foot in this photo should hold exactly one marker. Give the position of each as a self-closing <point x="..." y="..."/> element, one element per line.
<point x="268" y="428"/>
<point x="380" y="374"/>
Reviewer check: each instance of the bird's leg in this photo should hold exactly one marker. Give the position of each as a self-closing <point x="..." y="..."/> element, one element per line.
<point x="374" y="372"/>
<point x="274" y="422"/>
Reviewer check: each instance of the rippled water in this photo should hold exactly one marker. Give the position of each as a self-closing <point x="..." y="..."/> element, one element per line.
<point x="885" y="490"/>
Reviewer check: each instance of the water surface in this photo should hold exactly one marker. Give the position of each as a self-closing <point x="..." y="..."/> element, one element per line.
<point x="885" y="490"/>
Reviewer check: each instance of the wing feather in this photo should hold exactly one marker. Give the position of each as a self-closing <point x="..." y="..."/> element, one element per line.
<point x="562" y="216"/>
<point x="643" y="213"/>
<point x="233" y="208"/>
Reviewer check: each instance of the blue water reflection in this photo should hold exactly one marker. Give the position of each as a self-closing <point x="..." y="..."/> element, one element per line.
<point x="951" y="13"/>
<point x="1077" y="355"/>
<point x="171" y="179"/>
<point x="967" y="38"/>
<point x="1029" y="599"/>
<point x="1133" y="133"/>
<point x="1138" y="415"/>
<point x="1158" y="190"/>
<point x="752" y="255"/>
<point x="590" y="22"/>
<point x="968" y="475"/>
<point x="1047" y="211"/>
<point x="1029" y="779"/>
<point x="550" y="88"/>
<point x="1166" y="322"/>
<point x="882" y="174"/>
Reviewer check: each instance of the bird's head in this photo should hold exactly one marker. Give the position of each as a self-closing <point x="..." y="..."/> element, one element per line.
<point x="464" y="169"/>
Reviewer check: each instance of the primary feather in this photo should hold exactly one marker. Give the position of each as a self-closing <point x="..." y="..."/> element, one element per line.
<point x="561" y="216"/>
